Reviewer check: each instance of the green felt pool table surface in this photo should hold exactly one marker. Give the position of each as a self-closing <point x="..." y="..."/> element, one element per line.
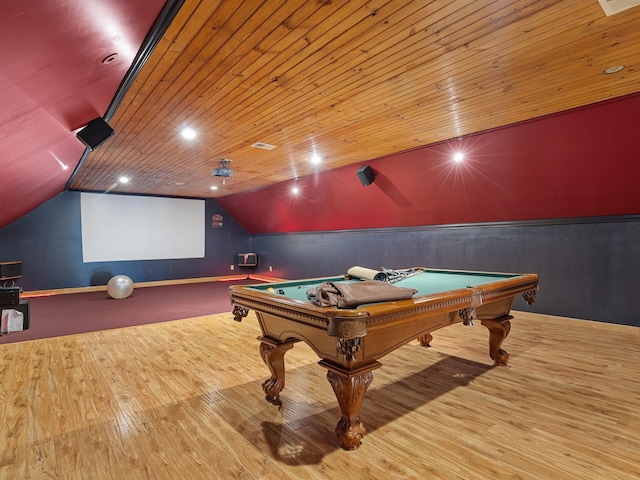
<point x="426" y="283"/>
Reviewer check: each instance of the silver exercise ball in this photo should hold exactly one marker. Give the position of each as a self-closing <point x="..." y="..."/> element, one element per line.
<point x="120" y="287"/>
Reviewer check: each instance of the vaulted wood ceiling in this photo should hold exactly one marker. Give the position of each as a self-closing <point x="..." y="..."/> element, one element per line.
<point x="350" y="80"/>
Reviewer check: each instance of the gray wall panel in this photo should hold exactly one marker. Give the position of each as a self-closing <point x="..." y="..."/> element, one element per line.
<point x="588" y="268"/>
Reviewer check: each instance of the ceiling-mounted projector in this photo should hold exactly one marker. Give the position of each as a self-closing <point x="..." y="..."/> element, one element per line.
<point x="223" y="171"/>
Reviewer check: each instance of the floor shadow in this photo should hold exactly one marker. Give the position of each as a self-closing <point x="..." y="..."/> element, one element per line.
<point x="306" y="440"/>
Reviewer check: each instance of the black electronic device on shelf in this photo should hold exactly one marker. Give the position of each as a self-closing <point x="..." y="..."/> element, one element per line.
<point x="247" y="261"/>
<point x="14" y="312"/>
<point x="10" y="270"/>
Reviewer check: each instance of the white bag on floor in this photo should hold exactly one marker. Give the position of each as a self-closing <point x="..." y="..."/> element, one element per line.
<point x="12" y="321"/>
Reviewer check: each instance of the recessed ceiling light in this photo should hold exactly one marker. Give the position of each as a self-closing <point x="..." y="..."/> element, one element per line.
<point x="614" y="69"/>
<point x="123" y="180"/>
<point x="295" y="190"/>
<point x="109" y="58"/>
<point x="458" y="156"/>
<point x="316" y="159"/>
<point x="188" y="133"/>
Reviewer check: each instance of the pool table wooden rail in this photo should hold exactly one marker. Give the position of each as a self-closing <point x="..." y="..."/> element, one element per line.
<point x="417" y="316"/>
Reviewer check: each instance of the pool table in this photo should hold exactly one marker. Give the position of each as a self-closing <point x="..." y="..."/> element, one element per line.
<point x="351" y="341"/>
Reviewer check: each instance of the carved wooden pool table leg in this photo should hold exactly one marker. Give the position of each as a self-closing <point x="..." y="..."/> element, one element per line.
<point x="272" y="354"/>
<point x="498" y="330"/>
<point x="350" y="388"/>
<point x="425" y="339"/>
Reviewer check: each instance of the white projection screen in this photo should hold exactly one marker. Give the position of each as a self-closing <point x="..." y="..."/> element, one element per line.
<point x="123" y="227"/>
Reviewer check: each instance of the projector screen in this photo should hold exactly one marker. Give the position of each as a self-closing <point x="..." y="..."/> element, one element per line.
<point x="122" y="227"/>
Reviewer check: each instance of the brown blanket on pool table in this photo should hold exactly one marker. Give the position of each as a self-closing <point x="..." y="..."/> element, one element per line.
<point x="350" y="295"/>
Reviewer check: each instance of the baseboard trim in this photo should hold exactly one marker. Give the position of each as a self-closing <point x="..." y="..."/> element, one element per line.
<point x="159" y="283"/>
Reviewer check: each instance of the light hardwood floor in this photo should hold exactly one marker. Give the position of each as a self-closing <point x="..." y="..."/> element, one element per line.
<point x="183" y="400"/>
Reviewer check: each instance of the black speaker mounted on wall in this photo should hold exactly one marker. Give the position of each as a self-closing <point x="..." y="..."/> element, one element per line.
<point x="95" y="133"/>
<point x="366" y="175"/>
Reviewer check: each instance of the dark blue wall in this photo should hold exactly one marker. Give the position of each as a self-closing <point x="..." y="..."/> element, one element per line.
<point x="48" y="241"/>
<point x="588" y="267"/>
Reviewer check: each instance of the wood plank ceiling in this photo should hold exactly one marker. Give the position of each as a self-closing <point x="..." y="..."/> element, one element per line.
<point x="351" y="81"/>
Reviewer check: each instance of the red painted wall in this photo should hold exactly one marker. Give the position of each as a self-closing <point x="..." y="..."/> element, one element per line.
<point x="580" y="163"/>
<point x="52" y="82"/>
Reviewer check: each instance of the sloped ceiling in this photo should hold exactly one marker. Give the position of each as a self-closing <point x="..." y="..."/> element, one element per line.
<point x="349" y="80"/>
<point x="61" y="65"/>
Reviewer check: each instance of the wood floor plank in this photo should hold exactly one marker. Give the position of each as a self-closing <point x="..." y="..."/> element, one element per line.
<point x="41" y="461"/>
<point x="163" y="450"/>
<point x="71" y="454"/>
<point x="13" y="470"/>
<point x="13" y="431"/>
<point x="183" y="399"/>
